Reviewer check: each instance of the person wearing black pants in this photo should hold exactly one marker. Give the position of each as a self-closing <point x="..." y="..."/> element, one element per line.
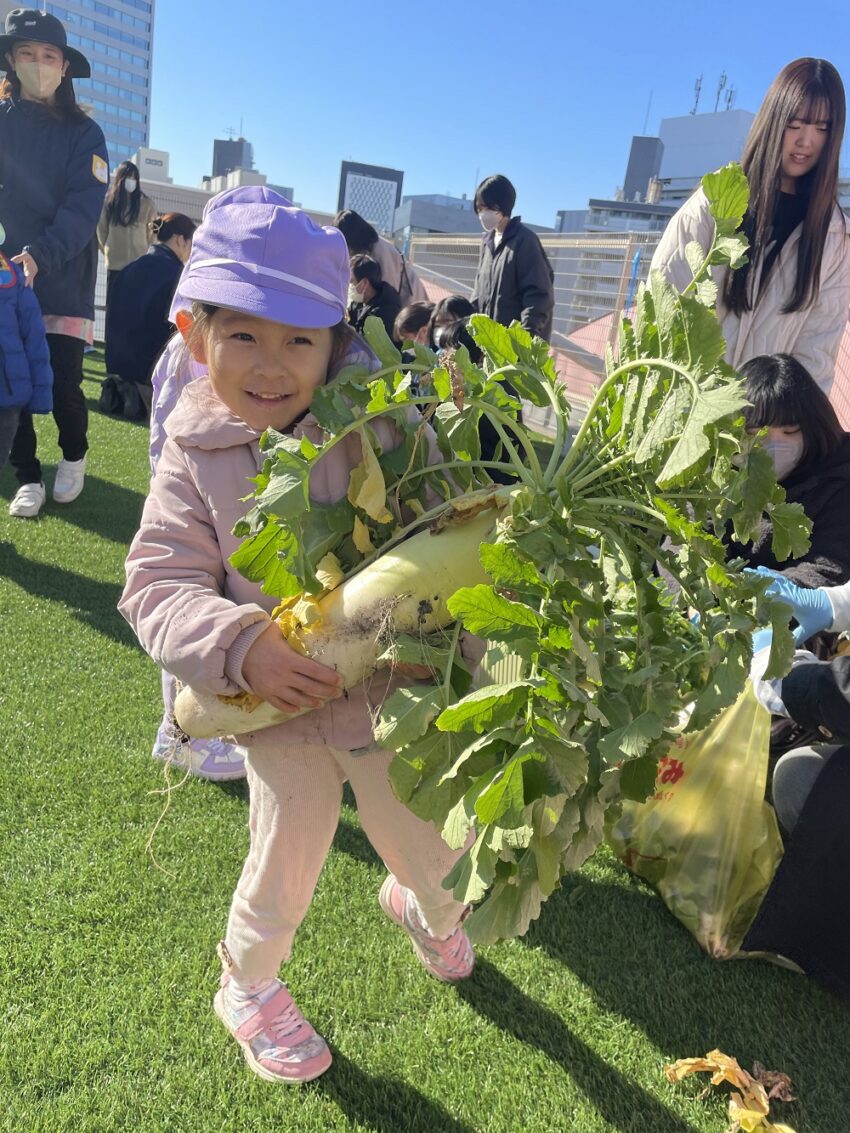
<point x="54" y="170"/>
<point x="70" y="411"/>
<point x="805" y="915"/>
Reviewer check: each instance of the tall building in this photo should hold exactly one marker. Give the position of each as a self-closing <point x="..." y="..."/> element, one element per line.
<point x="373" y="191"/>
<point x="696" y="144"/>
<point x="117" y="39"/>
<point x="230" y="154"/>
<point x="644" y="164"/>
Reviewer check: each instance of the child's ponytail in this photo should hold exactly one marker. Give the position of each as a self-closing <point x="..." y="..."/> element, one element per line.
<point x="172" y="224"/>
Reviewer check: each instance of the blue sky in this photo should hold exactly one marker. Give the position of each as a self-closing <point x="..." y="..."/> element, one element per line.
<point x="549" y="94"/>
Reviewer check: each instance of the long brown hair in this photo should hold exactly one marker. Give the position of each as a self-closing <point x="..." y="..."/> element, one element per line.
<point x="798" y="91"/>
<point x="64" y="106"/>
<point x="122" y="207"/>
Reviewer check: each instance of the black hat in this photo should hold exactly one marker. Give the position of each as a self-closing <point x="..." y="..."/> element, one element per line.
<point x="28" y="25"/>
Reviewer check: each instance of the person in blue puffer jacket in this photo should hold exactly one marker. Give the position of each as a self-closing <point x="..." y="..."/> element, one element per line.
<point x="54" y="172"/>
<point x="26" y="380"/>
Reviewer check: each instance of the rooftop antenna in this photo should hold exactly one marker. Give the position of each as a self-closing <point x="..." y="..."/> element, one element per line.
<point x="697" y="89"/>
<point x="646" y="119"/>
<point x="721" y="86"/>
<point x="730" y="98"/>
<point x="231" y="133"/>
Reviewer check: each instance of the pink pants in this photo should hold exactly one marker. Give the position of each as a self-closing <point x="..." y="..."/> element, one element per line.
<point x="296" y="793"/>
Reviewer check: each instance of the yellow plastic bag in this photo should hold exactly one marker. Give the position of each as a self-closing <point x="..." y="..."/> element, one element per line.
<point x="707" y="840"/>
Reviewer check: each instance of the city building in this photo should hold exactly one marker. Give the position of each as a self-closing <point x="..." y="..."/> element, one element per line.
<point x="696" y="144"/>
<point x="236" y="177"/>
<point x="117" y="39"/>
<point x="616" y="216"/>
<point x="643" y="168"/>
<point x="373" y="191"/>
<point x="434" y="212"/>
<point x="230" y="154"/>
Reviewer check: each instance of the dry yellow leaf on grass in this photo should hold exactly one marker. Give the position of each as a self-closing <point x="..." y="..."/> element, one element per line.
<point x="749" y="1109"/>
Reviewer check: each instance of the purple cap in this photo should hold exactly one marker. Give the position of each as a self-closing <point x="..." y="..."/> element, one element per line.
<point x="255" y="252"/>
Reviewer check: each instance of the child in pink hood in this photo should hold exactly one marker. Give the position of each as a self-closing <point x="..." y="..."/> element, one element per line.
<point x="268" y="290"/>
<point x="215" y="759"/>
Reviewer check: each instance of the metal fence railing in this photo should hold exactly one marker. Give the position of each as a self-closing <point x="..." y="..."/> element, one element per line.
<point x="596" y="276"/>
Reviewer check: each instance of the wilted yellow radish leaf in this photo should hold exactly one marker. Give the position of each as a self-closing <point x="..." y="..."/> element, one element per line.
<point x="361" y="537"/>
<point x="749" y="1109"/>
<point x="329" y="571"/>
<point x="748" y="1115"/>
<point x="366" y="488"/>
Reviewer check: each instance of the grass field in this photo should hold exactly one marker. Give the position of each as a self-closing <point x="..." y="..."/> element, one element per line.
<point x="108" y="967"/>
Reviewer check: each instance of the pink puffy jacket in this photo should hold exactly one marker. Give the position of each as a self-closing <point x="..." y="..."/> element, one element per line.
<point x="193" y="613"/>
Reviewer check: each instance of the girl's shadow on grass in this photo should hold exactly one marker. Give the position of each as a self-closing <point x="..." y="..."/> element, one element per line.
<point x="625" y="1105"/>
<point x="385" y="1105"/>
<point x="622" y="942"/>
<point x="91" y="602"/>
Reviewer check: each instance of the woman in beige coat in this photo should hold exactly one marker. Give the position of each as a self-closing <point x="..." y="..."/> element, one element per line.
<point x="123" y="229"/>
<point x="792" y="296"/>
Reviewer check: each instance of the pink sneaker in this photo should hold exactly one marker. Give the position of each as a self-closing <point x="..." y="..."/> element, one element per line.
<point x="449" y="960"/>
<point x="277" y="1041"/>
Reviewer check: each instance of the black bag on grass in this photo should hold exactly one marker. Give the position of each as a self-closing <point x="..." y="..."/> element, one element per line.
<point x="119" y="398"/>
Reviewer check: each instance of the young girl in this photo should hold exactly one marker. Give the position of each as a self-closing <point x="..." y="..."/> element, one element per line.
<point x="793" y="294"/>
<point x="213" y="759"/>
<point x="811" y="457"/>
<point x="268" y="291"/>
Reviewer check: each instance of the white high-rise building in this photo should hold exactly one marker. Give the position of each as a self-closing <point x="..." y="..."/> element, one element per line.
<point x="117" y="39"/>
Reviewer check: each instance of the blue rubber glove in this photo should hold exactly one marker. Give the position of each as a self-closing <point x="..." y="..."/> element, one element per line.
<point x="811" y="608"/>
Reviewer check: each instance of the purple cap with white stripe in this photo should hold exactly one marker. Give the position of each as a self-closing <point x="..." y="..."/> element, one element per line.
<point x="255" y="252"/>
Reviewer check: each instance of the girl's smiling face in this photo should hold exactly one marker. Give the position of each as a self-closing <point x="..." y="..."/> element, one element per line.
<point x="264" y="372"/>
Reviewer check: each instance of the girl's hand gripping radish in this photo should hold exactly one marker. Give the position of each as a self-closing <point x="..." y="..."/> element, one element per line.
<point x="286" y="679"/>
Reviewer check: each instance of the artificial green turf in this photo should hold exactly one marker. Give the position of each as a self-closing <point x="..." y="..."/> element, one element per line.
<point x="107" y="963"/>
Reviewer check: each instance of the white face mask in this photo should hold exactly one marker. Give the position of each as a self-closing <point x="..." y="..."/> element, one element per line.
<point x="130" y="184"/>
<point x="354" y="295"/>
<point x="786" y="455"/>
<point x="38" y="80"/>
<point x="489" y="219"/>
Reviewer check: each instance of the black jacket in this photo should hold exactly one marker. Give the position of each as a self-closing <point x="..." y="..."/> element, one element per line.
<point x="53" y="178"/>
<point x="137" y="326"/>
<point x="825" y="496"/>
<point x="515" y="280"/>
<point x="385" y="303"/>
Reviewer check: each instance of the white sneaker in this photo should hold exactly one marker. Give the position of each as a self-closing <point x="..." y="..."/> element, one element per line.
<point x="28" y="500"/>
<point x="68" y="484"/>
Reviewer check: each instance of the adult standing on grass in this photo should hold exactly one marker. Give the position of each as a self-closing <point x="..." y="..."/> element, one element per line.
<point x="53" y="178"/>
<point x="792" y="295"/>
<point x="137" y="324"/>
<point x="124" y="228"/>
<point x="514" y="280"/>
